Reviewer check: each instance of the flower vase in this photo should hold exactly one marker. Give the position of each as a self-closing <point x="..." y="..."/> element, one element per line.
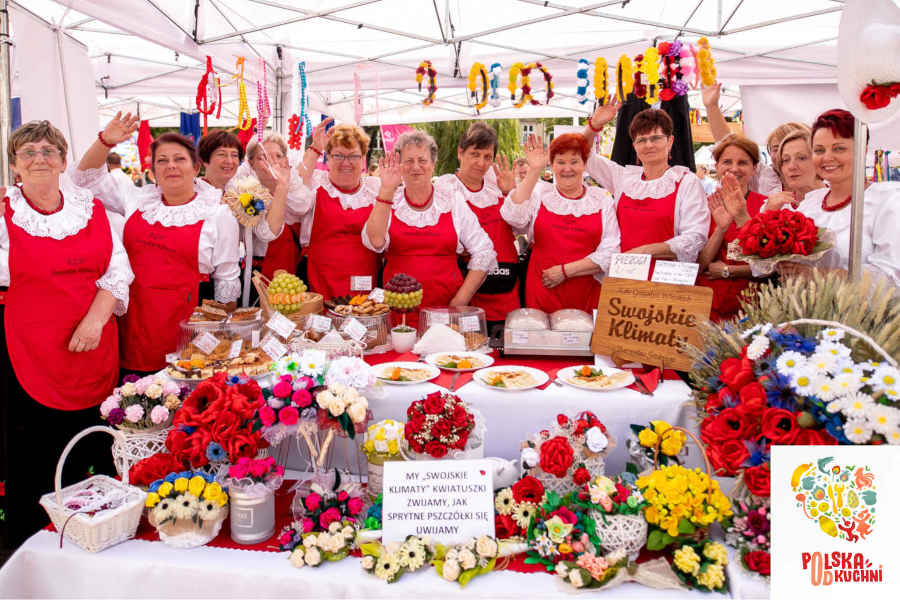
<point x="375" y="477"/>
<point x="252" y="515"/>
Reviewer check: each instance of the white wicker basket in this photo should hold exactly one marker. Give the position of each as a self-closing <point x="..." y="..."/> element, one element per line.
<point x="621" y="532"/>
<point x="137" y="444"/>
<point x="105" y="527"/>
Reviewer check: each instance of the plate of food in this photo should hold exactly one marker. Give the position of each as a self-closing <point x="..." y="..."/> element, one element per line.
<point x="589" y="377"/>
<point x="459" y="361"/>
<point x="511" y="378"/>
<point x="406" y="373"/>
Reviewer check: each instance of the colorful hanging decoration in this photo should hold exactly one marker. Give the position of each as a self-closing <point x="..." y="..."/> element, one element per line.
<point x="263" y="111"/>
<point x="638" y="88"/>
<point x="478" y="75"/>
<point x="650" y="68"/>
<point x="601" y="81"/>
<point x="673" y="69"/>
<point x="624" y="78"/>
<point x="525" y="71"/>
<point x="548" y="81"/>
<point x="244" y="119"/>
<point x="303" y="125"/>
<point x="295" y="140"/>
<point x="426" y="68"/>
<point x="581" y="79"/>
<point x="882" y="166"/>
<point x="209" y="94"/>
<point x="705" y="64"/>
<point x="496" y="74"/>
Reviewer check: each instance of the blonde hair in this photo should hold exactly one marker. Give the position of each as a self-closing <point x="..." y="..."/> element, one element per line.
<point x="253" y="148"/>
<point x="740" y="141"/>
<point x="797" y="134"/>
<point x="35" y="131"/>
<point x="776" y="137"/>
<point x="348" y="135"/>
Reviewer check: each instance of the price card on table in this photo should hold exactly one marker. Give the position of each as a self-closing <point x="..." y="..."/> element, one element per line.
<point x="171" y="358"/>
<point x="236" y="347"/>
<point x="630" y="266"/>
<point x="438" y="318"/>
<point x="319" y="323"/>
<point x="449" y="500"/>
<point x="254" y="338"/>
<point x="570" y="339"/>
<point x="520" y="337"/>
<point x="377" y="295"/>
<point x="272" y="347"/>
<point x="361" y="283"/>
<point x="205" y="342"/>
<point x="354" y="329"/>
<point x="679" y="273"/>
<point x="469" y="323"/>
<point x="281" y="325"/>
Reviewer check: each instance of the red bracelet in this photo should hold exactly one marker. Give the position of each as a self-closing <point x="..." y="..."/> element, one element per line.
<point x="316" y="150"/>
<point x="563" y="267"/>
<point x="391" y="202"/>
<point x="102" y="141"/>
<point x="591" y="125"/>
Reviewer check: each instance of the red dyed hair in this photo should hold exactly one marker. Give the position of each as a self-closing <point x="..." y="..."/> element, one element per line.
<point x="838" y="121"/>
<point x="570" y="142"/>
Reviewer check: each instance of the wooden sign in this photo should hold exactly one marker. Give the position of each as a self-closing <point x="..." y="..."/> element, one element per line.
<point x="647" y="322"/>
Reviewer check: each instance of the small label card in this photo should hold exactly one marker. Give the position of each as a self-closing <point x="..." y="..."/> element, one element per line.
<point x="205" y="342"/>
<point x="361" y="283"/>
<point x="520" y="337"/>
<point x="319" y="323"/>
<point x="469" y="323"/>
<point x="236" y="347"/>
<point x="570" y="339"/>
<point x="254" y="338"/>
<point x="377" y="295"/>
<point x="281" y="325"/>
<point x="679" y="273"/>
<point x="449" y="500"/>
<point x="272" y="347"/>
<point x="630" y="266"/>
<point x="171" y="358"/>
<point x="438" y="318"/>
<point x="354" y="329"/>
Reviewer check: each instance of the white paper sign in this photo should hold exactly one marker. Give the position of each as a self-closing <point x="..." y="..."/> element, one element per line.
<point x="630" y="266"/>
<point x="354" y="329"/>
<point x="680" y="273"/>
<point x="469" y="323"/>
<point x="520" y="337"/>
<point x="205" y="342"/>
<point x="281" y="325"/>
<point x="438" y="318"/>
<point x="449" y="500"/>
<point x="319" y="323"/>
<point x="171" y="358"/>
<point x="361" y="283"/>
<point x="377" y="295"/>
<point x="254" y="338"/>
<point x="570" y="339"/>
<point x="236" y="347"/>
<point x="271" y="346"/>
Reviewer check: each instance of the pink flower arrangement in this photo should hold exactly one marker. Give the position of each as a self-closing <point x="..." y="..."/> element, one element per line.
<point x="284" y="404"/>
<point x="320" y="508"/>
<point x="261" y="470"/>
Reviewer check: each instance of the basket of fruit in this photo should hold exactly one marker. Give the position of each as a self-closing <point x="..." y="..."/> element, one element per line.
<point x="287" y="294"/>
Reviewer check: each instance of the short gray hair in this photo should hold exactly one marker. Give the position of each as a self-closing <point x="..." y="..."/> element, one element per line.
<point x="254" y="147"/>
<point x="419" y="138"/>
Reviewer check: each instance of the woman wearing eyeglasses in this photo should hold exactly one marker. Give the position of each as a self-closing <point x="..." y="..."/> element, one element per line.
<point x="67" y="275"/>
<point x="341" y="202"/>
<point x="662" y="210"/>
<point x="178" y="234"/>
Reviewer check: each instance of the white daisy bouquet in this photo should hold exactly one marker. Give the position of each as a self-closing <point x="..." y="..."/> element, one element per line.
<point x="311" y="549"/>
<point x="467" y="560"/>
<point x="390" y="561"/>
<point x="187" y="509"/>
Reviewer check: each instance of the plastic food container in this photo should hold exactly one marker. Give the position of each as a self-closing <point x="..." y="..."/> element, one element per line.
<point x="470" y="321"/>
<point x="528" y="332"/>
<point x="378" y="330"/>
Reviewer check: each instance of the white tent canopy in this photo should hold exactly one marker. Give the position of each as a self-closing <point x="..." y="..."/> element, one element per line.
<point x="153" y="52"/>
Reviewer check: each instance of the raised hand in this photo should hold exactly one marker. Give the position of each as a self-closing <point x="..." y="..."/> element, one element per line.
<point x="320" y="136"/>
<point x="389" y="171"/>
<point x="536" y="153"/>
<point x="710" y="94"/>
<point x="605" y="113"/>
<point x="779" y="200"/>
<point x="506" y="179"/>
<point x="717" y="210"/>
<point x="733" y="196"/>
<point x="120" y="128"/>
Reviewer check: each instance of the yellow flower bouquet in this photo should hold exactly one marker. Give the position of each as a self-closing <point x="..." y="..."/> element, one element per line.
<point x="656" y="443"/>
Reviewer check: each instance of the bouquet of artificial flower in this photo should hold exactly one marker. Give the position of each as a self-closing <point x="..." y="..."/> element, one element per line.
<point x="311" y="549"/>
<point x="658" y="439"/>
<point x="467" y="560"/>
<point x="143" y="403"/>
<point x="749" y="531"/>
<point x="187" y="508"/>
<point x="590" y="570"/>
<point x="515" y="506"/>
<point x="390" y="561"/>
<point x="248" y="200"/>
<point x="255" y="477"/>
<point x="284" y="403"/>
<point x="437" y="424"/>
<point x="775" y="236"/>
<point x="702" y="566"/>
<point x="561" y="529"/>
<point x="316" y="509"/>
<point x="383" y="440"/>
<point x="342" y="406"/>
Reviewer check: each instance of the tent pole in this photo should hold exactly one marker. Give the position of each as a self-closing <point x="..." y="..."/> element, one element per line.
<point x="5" y="93"/>
<point x="65" y="91"/>
<point x="856" y="206"/>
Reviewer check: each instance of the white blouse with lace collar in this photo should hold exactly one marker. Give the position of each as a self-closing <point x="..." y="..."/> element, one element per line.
<point x="488" y="195"/>
<point x="76" y="212"/>
<point x="361" y="197"/>
<point x="691" y="209"/>
<point x="217" y="252"/>
<point x="471" y="238"/>
<point x="595" y="199"/>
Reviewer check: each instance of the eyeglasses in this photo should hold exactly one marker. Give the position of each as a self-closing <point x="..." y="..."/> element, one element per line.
<point x="48" y="152"/>
<point x="652" y="139"/>
<point x="343" y="157"/>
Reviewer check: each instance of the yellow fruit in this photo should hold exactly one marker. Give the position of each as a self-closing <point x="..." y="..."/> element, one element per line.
<point x="798" y="473"/>
<point x="828" y="526"/>
<point x="852" y="499"/>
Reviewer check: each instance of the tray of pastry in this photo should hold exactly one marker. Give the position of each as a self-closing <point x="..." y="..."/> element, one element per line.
<point x="232" y="354"/>
<point x="566" y="332"/>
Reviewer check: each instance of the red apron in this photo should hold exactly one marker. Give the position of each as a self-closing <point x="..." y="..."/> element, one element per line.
<point x="726" y="292"/>
<point x="165" y="289"/>
<point x="336" y="252"/>
<point x="560" y="239"/>
<point x="52" y="285"/>
<point x="496" y="306"/>
<point x="646" y="220"/>
<point x="429" y="255"/>
<point x="283" y="252"/>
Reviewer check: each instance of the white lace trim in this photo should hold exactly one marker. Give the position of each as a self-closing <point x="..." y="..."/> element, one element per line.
<point x="635" y="187"/>
<point x="227" y="290"/>
<point x="444" y="198"/>
<point x="76" y="211"/>
<point x="594" y="200"/>
<point x="488" y="195"/>
<point x="149" y="202"/>
<point x="361" y="198"/>
<point x="119" y="287"/>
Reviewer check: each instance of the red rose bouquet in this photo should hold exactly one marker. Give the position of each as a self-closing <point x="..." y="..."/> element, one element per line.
<point x="438" y="424"/>
<point x="775" y="236"/>
<point x="514" y="506"/>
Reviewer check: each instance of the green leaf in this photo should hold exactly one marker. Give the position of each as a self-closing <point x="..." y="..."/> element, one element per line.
<point x="631" y="468"/>
<point x="371" y="549"/>
<point x="347" y="425"/>
<point x="637" y="429"/>
<point x="685" y="526"/>
<point x="658" y="539"/>
<point x="337" y="480"/>
<point x="438" y="566"/>
<point x="532" y="560"/>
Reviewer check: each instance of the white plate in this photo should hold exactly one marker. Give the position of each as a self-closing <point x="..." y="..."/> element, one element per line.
<point x="380" y="369"/>
<point x="482" y="376"/>
<point x="487" y="361"/>
<point x="563" y="374"/>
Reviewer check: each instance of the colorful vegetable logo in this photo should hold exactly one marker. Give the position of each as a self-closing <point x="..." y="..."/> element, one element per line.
<point x="840" y="498"/>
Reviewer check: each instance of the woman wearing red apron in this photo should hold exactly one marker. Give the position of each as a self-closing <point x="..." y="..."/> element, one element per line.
<point x="662" y="210"/>
<point x="573" y="226"/>
<point x="478" y="182"/>
<point x="64" y="274"/>
<point x="338" y="262"/>
<point x="731" y="207"/>
<point x="177" y="234"/>
<point x="422" y="228"/>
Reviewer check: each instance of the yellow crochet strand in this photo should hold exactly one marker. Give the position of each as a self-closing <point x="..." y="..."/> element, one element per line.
<point x="705" y="63"/>
<point x="601" y="80"/>
<point x="650" y="68"/>
<point x="478" y="71"/>
<point x="244" y="119"/>
<point x="513" y="76"/>
<point x="624" y="78"/>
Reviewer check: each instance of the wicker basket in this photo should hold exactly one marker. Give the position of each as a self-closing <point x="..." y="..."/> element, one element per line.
<point x="314" y="304"/>
<point x="89" y="525"/>
<point x="378" y="330"/>
<point x="137" y="444"/>
<point x="620" y="532"/>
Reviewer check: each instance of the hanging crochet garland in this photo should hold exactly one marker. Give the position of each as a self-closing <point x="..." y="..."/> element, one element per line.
<point x="426" y="68"/>
<point x="624" y="78"/>
<point x="206" y="89"/>
<point x="705" y="64"/>
<point x="650" y="69"/>
<point x="295" y="140"/>
<point x="300" y="124"/>
<point x="478" y="74"/>
<point x="526" y="85"/>
<point x="601" y="81"/>
<point x="263" y="110"/>
<point x="496" y="73"/>
<point x="245" y="122"/>
<point x="581" y="78"/>
<point x="673" y="83"/>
